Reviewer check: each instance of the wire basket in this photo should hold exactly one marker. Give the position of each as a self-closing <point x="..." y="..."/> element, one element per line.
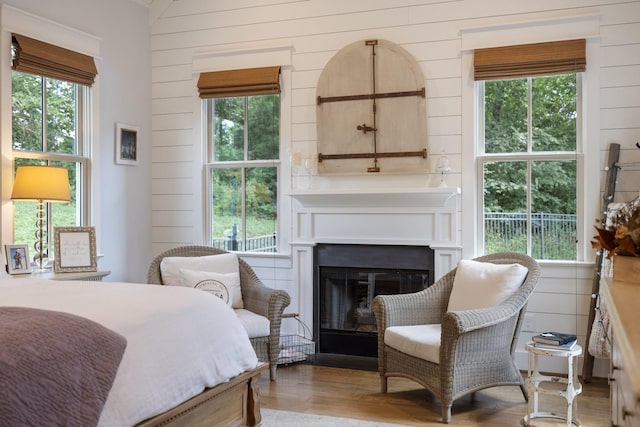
<point x="297" y="348"/>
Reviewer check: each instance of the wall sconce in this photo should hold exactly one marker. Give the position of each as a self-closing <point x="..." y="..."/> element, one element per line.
<point x="42" y="184"/>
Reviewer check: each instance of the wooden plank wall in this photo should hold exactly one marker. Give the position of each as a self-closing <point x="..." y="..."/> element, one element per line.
<point x="431" y="31"/>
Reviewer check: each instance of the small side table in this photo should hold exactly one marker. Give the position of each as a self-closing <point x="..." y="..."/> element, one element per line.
<point x="93" y="276"/>
<point x="535" y="387"/>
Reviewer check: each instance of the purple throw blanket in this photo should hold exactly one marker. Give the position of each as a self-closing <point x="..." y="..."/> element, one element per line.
<point x="56" y="369"/>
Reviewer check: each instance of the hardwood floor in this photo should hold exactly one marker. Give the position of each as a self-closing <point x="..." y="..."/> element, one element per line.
<point x="354" y="393"/>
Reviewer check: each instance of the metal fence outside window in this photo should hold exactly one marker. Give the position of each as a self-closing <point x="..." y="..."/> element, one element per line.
<point x="553" y="236"/>
<point x="265" y="243"/>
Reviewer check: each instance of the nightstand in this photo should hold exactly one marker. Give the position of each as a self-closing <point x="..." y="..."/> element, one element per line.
<point x="93" y="276"/>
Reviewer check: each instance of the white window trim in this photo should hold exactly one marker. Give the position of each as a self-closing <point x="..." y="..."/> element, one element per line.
<point x="18" y="21"/>
<point x="535" y="30"/>
<point x="230" y="59"/>
<point x="529" y="156"/>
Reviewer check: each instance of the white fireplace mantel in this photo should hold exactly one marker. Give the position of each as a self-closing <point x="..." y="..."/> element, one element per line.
<point x="434" y="197"/>
<point x="373" y="215"/>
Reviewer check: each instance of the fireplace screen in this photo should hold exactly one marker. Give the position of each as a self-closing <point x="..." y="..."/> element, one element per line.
<point x="347" y="294"/>
<point x="348" y="279"/>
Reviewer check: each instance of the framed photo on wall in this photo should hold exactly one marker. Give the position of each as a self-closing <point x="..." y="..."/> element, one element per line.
<point x="126" y="144"/>
<point x="17" y="259"/>
<point x="75" y="249"/>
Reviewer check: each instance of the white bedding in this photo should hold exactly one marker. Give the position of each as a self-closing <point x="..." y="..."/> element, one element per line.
<point x="179" y="340"/>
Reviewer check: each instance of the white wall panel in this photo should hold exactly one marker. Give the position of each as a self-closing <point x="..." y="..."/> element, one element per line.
<point x="162" y="58"/>
<point x="552" y="303"/>
<point x="303" y="131"/>
<point x="175" y="105"/>
<point x="441" y="69"/>
<point x="176" y="235"/>
<point x="449" y="125"/>
<point x="305" y="79"/>
<point x="615" y="118"/>
<point x="173" y="137"/>
<point x="304" y="97"/>
<point x="438" y="107"/>
<point x="173" y="218"/>
<point x="614" y="56"/>
<point x="187" y="31"/>
<point x="620" y="13"/>
<point x="173" y="121"/>
<point x="301" y="115"/>
<point x="174" y="89"/>
<point x="172" y="170"/>
<point x="173" y="202"/>
<point x="174" y="154"/>
<point x="441" y="87"/>
<point x="170" y="73"/>
<point x="173" y="186"/>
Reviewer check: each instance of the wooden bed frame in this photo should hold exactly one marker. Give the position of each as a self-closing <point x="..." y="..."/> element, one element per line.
<point x="234" y="403"/>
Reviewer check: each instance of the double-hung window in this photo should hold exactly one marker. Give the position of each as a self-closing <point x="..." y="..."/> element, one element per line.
<point x="529" y="158"/>
<point x="242" y="168"/>
<point x="50" y="127"/>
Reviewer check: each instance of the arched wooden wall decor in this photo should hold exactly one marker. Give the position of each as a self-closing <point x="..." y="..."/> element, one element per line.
<point x="371" y="111"/>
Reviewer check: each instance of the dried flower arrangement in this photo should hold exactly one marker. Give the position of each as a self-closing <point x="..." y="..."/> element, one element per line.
<point x="622" y="235"/>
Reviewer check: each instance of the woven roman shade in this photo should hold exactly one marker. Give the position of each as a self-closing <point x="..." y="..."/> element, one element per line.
<point x="44" y="59"/>
<point x="530" y="60"/>
<point x="246" y="82"/>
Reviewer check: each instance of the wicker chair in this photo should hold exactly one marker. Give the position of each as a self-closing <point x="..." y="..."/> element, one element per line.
<point x="256" y="297"/>
<point x="476" y="346"/>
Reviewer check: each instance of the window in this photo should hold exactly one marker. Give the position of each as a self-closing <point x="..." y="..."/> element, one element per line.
<point x="528" y="165"/>
<point x="48" y="118"/>
<point x="242" y="171"/>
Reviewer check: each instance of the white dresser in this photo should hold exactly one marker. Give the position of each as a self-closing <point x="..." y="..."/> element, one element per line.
<point x="623" y="304"/>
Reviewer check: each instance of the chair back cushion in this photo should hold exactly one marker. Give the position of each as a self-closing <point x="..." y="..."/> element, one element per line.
<point x="484" y="284"/>
<point x="224" y="286"/>
<point x="222" y="263"/>
<point x="421" y="341"/>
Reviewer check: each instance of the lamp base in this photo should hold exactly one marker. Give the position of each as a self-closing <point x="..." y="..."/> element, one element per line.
<point x="40" y="265"/>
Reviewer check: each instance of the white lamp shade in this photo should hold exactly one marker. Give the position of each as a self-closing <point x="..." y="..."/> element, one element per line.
<point x="46" y="183"/>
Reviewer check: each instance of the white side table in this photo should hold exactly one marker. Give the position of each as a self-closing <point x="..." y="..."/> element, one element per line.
<point x="535" y="386"/>
<point x="93" y="276"/>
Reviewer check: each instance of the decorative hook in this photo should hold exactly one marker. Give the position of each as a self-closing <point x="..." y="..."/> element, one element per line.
<point x="638" y="144"/>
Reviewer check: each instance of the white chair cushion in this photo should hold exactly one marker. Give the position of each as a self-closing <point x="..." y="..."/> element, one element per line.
<point x="224" y="286"/>
<point x="222" y="263"/>
<point x="484" y="284"/>
<point x="256" y="325"/>
<point x="421" y="341"/>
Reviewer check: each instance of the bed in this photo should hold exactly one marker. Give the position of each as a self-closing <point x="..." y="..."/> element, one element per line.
<point x="187" y="360"/>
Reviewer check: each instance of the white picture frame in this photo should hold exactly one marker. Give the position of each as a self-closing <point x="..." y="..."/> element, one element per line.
<point x="127" y="148"/>
<point x="18" y="261"/>
<point x="75" y="249"/>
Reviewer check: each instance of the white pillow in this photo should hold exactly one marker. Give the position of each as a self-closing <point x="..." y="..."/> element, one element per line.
<point x="224" y="286"/>
<point x="222" y="263"/>
<point x="484" y="284"/>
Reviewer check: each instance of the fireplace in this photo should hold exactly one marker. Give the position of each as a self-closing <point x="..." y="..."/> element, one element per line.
<point x="346" y="279"/>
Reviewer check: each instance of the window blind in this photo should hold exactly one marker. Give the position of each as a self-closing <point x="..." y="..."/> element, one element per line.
<point x="245" y="82"/>
<point x="530" y="60"/>
<point x="44" y="59"/>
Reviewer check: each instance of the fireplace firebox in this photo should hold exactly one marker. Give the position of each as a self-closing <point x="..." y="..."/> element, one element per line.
<point x="347" y="278"/>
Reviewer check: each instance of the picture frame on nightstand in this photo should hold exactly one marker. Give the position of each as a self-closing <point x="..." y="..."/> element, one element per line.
<point x="17" y="259"/>
<point x="75" y="249"/>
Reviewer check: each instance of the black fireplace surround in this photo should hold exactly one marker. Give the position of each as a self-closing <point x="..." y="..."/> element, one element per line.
<point x="346" y="279"/>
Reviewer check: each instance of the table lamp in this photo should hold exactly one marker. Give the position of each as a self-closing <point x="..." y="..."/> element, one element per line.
<point x="43" y="184"/>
